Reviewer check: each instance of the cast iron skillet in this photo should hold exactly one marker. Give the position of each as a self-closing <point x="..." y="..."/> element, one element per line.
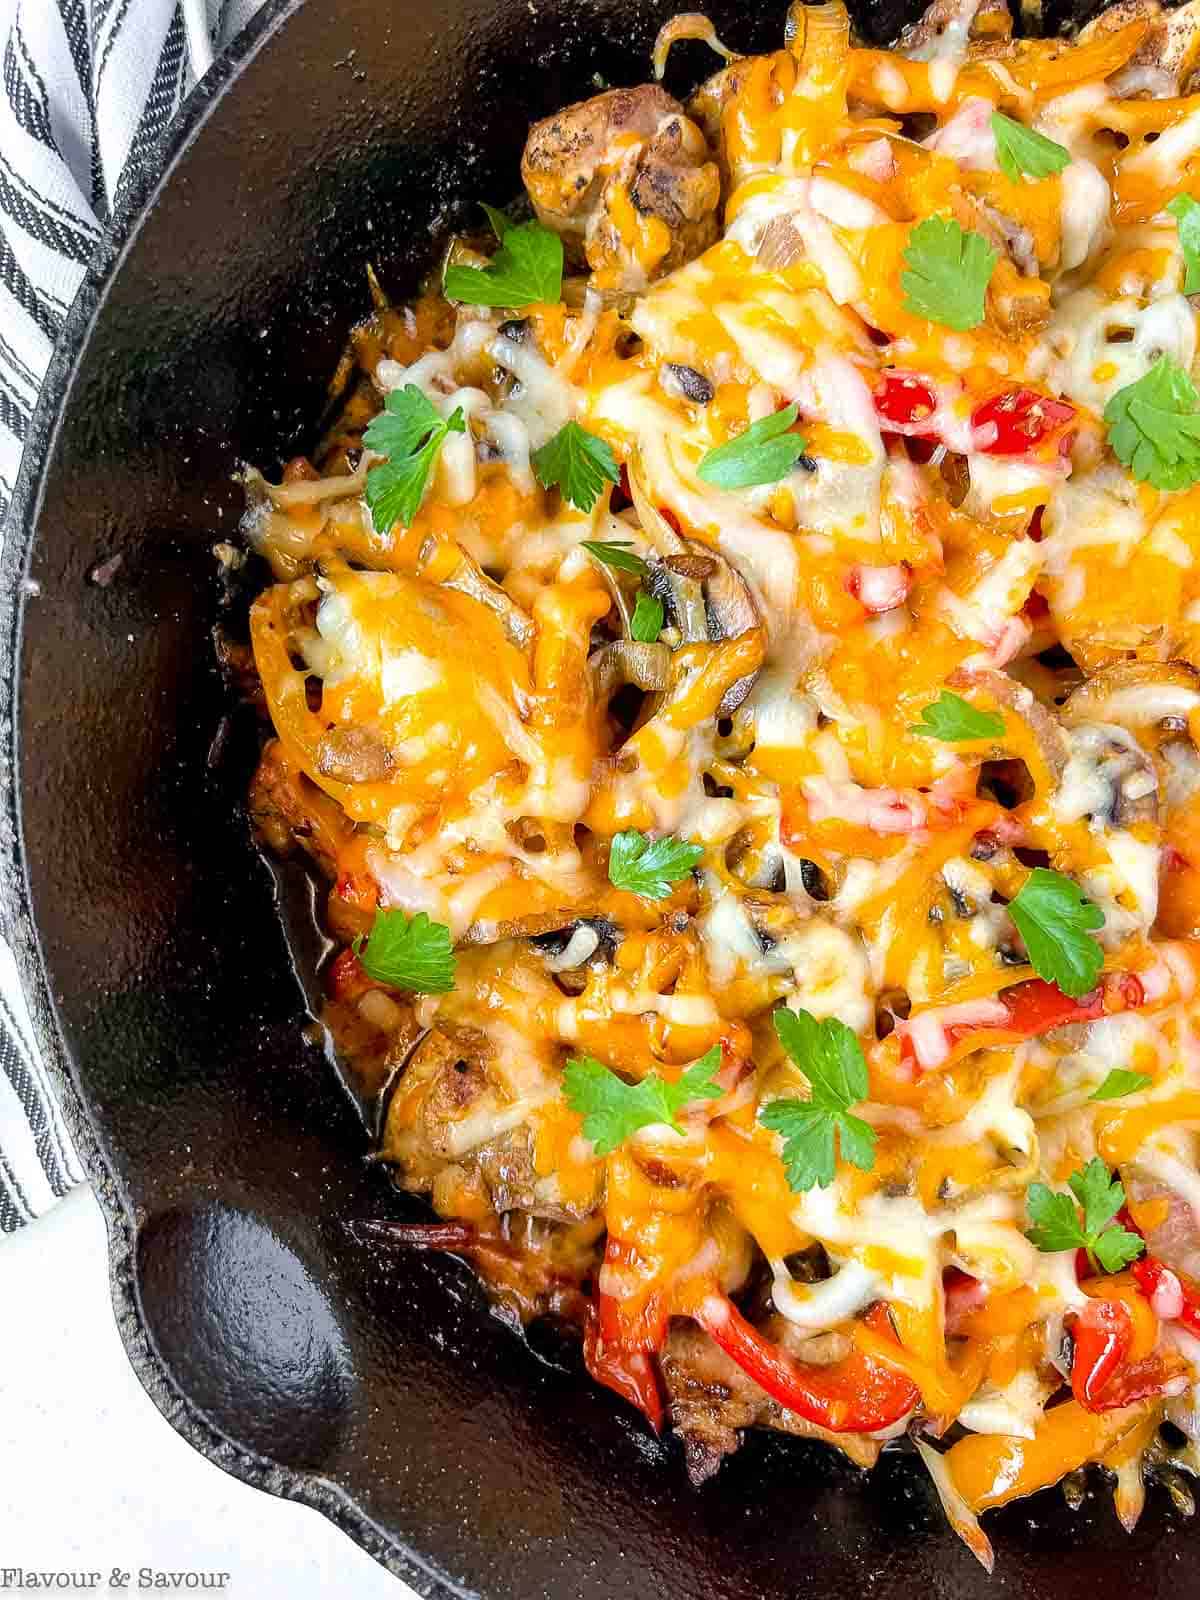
<point x="226" y="1156"/>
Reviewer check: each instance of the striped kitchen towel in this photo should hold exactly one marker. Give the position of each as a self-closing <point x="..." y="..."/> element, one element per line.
<point x="88" y="86"/>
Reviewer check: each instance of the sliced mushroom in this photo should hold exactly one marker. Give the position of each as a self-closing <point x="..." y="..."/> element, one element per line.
<point x="1022" y="702"/>
<point x="353" y="755"/>
<point x="1136" y="694"/>
<point x="647" y="666"/>
<point x="470" y="579"/>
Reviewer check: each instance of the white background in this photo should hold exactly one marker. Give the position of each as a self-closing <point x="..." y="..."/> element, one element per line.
<point x="93" y="1478"/>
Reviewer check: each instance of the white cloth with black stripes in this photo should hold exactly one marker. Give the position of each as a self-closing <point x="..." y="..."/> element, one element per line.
<point x="88" y="86"/>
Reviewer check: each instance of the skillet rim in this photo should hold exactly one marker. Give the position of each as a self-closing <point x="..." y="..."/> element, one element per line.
<point x="145" y="182"/>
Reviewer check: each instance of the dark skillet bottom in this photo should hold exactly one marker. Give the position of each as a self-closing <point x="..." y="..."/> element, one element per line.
<point x="225" y="1154"/>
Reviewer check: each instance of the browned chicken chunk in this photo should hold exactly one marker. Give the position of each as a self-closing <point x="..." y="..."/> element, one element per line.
<point x="628" y="179"/>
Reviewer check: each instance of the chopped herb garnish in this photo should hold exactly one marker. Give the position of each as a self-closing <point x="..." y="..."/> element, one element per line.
<point x="1056" y="920"/>
<point x="953" y="719"/>
<point x="526" y="270"/>
<point x="1059" y="1224"/>
<point x="764" y="453"/>
<point x="647" y="620"/>
<point x="1022" y="151"/>
<point x="612" y="1109"/>
<point x="578" y="463"/>
<point x="831" y="1058"/>
<point x="408" y="953"/>
<point x="949" y="270"/>
<point x="1154" y="427"/>
<point x="410" y="432"/>
<point x="648" y="867"/>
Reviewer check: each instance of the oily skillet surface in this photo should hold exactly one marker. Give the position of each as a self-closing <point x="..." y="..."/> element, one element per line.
<point x="226" y="1155"/>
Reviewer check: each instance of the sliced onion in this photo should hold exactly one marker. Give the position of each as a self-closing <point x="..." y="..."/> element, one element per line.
<point x="817" y="35"/>
<point x="687" y="25"/>
<point x="469" y="579"/>
<point x="580" y="947"/>
<point x="311" y="491"/>
<point x="781" y="245"/>
<point x="958" y="1513"/>
<point x="628" y="661"/>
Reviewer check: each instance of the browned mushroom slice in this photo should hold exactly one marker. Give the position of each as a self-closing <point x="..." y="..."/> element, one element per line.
<point x="1152" y="702"/>
<point x="468" y="578"/>
<point x="647" y="666"/>
<point x="584" y="167"/>
<point x="952" y="25"/>
<point x="1136" y="695"/>
<point x="1022" y="702"/>
<point x="353" y="755"/>
<point x="1164" y="63"/>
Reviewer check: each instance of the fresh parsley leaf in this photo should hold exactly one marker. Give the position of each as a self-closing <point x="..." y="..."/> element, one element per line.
<point x="646" y="623"/>
<point x="410" y="432"/>
<point x="1120" y="1082"/>
<point x="1021" y="150"/>
<point x="526" y="270"/>
<point x="613" y="1109"/>
<point x="578" y="463"/>
<point x="1154" y="426"/>
<point x="949" y="271"/>
<point x="764" y="453"/>
<point x="1186" y="212"/>
<point x="952" y="718"/>
<point x="1056" y="921"/>
<point x="650" y="868"/>
<point x="408" y="953"/>
<point x="831" y="1058"/>
<point x="1059" y="1225"/>
<point x="616" y="553"/>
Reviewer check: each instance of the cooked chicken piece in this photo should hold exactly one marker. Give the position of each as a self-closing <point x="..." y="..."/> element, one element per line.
<point x="630" y="179"/>
<point x="287" y="809"/>
<point x="1165" y="62"/>
<point x="439" y="1126"/>
<point x="952" y="25"/>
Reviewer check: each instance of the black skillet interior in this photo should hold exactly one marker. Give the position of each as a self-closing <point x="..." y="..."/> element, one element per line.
<point x="227" y="1156"/>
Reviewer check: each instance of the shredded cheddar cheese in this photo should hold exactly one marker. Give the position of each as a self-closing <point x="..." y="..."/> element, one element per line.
<point x="463" y="722"/>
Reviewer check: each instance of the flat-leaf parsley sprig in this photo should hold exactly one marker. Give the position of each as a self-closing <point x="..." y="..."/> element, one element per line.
<point x="410" y="433"/>
<point x="650" y="867"/>
<point x="831" y="1058"/>
<point x="408" y="953"/>
<point x="1056" y="920"/>
<point x="612" y="1109"/>
<point x="1154" y="427"/>
<point x="526" y="270"/>
<point x="955" y="720"/>
<point x="1023" y="152"/>
<point x="578" y="463"/>
<point x="765" y="452"/>
<point x="1058" y="1223"/>
<point x="949" y="270"/>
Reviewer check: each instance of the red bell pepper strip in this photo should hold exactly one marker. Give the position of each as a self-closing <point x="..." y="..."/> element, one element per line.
<point x="1034" y="1007"/>
<point x="1101" y="1377"/>
<point x="631" y="1373"/>
<point x="854" y="1395"/>
<point x="620" y="1346"/>
<point x="1023" y="419"/>
<point x="905" y="402"/>
<point x="1102" y="1334"/>
<point x="1154" y="1279"/>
